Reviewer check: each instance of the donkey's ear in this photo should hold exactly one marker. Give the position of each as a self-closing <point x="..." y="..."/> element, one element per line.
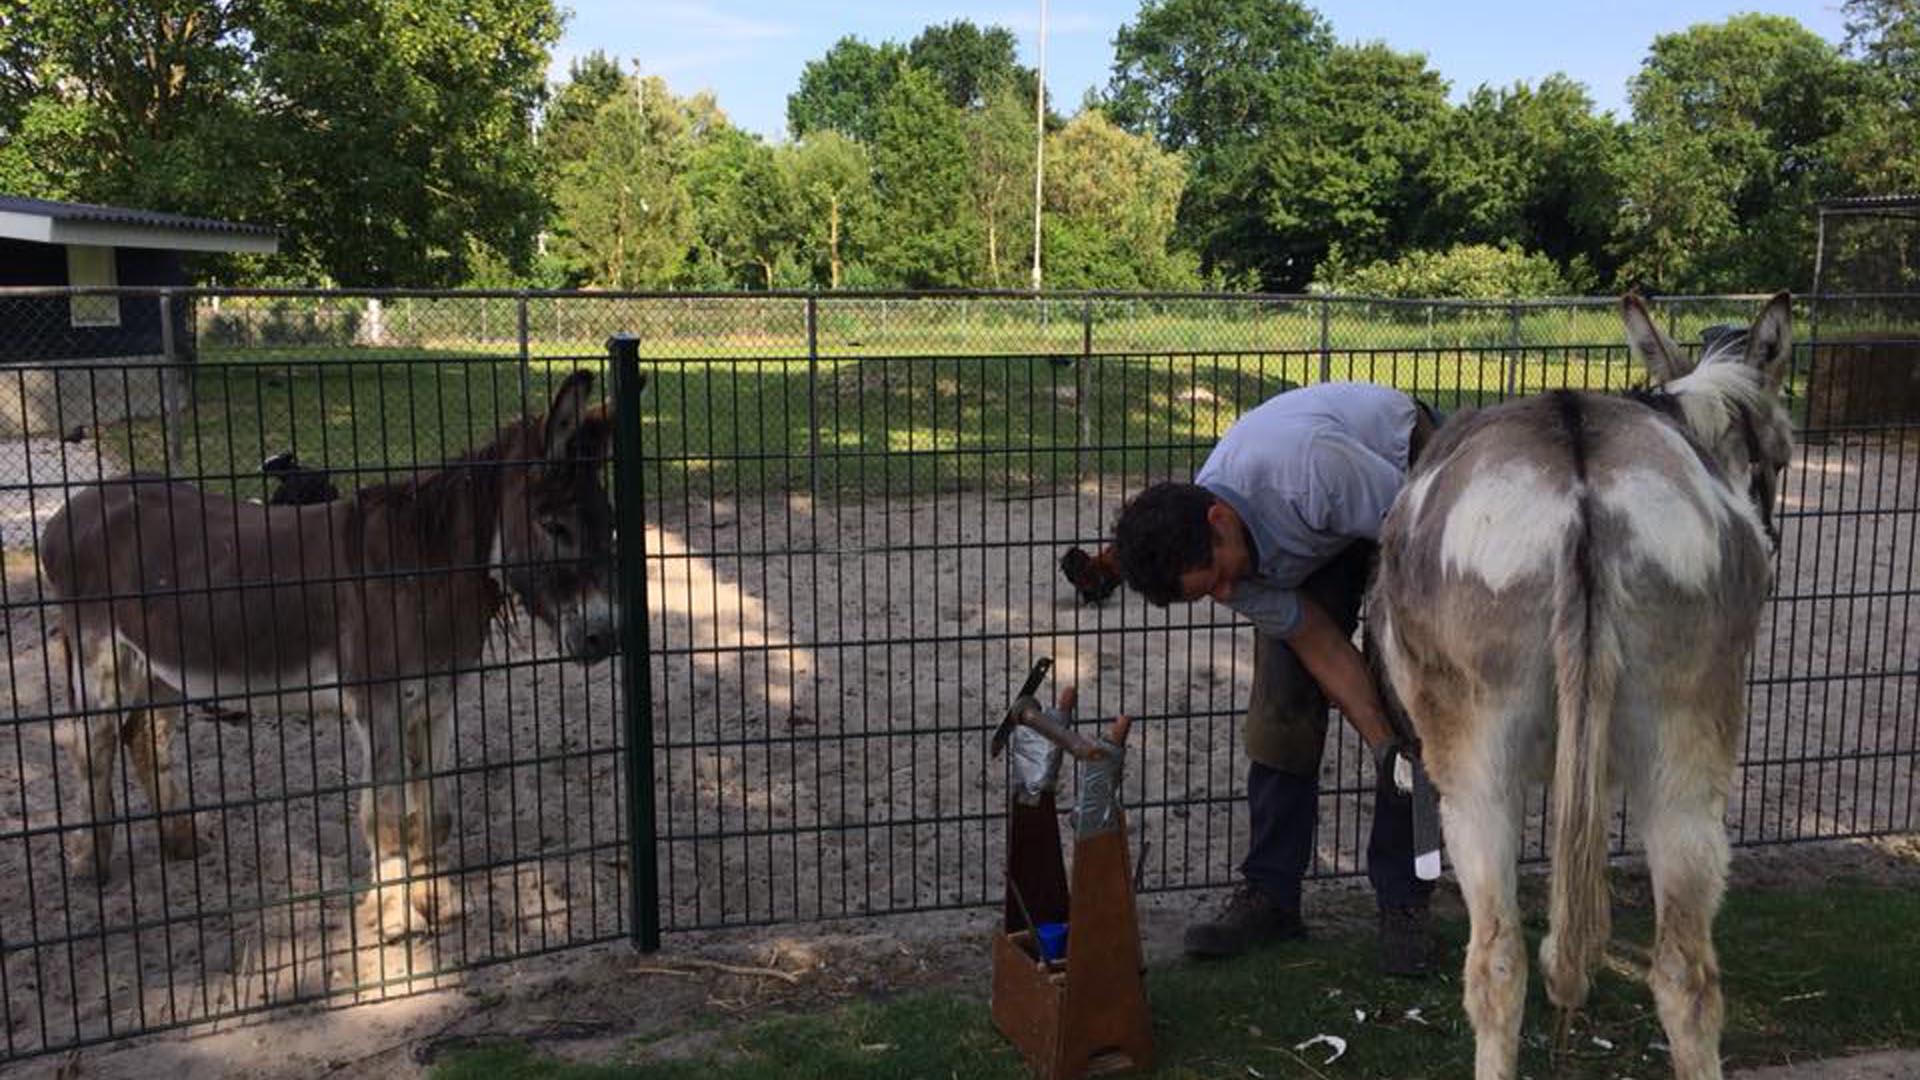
<point x="568" y="412"/>
<point x="1665" y="361"/>
<point x="1770" y="341"/>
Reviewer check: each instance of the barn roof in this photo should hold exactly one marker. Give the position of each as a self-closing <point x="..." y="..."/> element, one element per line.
<point x="1869" y="204"/>
<point x="49" y="222"/>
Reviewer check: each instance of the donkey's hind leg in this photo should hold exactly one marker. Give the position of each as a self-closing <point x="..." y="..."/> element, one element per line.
<point x="148" y="736"/>
<point x="1681" y="803"/>
<point x="90" y="740"/>
<point x="1480" y="820"/>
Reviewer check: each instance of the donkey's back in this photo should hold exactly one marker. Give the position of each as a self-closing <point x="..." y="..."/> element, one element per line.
<point x="1570" y="587"/>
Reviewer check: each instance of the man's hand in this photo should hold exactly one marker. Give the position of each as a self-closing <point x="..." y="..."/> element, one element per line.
<point x="1391" y="759"/>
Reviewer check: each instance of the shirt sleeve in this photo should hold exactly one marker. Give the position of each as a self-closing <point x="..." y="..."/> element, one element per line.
<point x="1274" y="612"/>
<point x="1352" y="489"/>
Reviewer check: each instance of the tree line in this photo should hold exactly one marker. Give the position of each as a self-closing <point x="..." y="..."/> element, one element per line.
<point x="1237" y="144"/>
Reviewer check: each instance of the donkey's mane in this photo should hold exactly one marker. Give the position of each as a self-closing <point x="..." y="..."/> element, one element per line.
<point x="430" y="504"/>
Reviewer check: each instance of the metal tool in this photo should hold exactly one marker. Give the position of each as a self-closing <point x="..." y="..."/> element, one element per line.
<point x="1027" y="710"/>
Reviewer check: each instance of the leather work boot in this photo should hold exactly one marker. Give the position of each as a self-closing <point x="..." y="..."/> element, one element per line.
<point x="1247" y="919"/>
<point x="1406" y="943"/>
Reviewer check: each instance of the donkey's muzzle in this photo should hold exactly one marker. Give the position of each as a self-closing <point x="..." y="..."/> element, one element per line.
<point x="589" y="641"/>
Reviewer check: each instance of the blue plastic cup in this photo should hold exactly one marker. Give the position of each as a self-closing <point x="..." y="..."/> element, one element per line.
<point x="1052" y="937"/>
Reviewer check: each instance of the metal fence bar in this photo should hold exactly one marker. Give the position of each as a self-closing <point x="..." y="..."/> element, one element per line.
<point x="636" y="643"/>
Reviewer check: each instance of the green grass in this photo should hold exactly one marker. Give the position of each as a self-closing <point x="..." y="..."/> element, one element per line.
<point x="1808" y="974"/>
<point x="902" y="396"/>
<point x="841" y="425"/>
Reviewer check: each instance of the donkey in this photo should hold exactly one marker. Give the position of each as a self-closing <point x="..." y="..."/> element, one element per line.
<point x="1572" y="583"/>
<point x="374" y="605"/>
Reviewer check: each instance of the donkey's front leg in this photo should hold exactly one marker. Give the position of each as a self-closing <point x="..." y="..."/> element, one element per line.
<point x="406" y="898"/>
<point x="429" y="741"/>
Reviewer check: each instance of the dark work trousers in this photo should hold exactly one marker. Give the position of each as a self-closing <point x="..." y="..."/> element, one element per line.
<point x="1286" y="732"/>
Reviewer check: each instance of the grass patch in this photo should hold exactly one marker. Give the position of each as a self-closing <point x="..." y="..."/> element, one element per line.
<point x="1808" y="974"/>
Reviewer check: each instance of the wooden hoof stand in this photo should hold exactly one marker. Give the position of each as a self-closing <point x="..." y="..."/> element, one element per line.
<point x="1085" y="1015"/>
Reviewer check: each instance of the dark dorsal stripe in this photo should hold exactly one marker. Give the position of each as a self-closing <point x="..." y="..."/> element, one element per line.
<point x="1573" y="419"/>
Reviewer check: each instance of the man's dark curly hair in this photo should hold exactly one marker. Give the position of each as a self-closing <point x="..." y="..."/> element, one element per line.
<point x="1163" y="533"/>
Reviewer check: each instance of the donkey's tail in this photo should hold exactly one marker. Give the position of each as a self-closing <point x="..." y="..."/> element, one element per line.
<point x="1586" y="661"/>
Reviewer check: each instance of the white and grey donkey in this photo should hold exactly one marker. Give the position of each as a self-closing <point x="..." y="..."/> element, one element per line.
<point x="1629" y="536"/>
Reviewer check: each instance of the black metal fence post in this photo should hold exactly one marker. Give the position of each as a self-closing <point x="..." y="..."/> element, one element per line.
<point x="1326" y="340"/>
<point x="813" y="397"/>
<point x="636" y="685"/>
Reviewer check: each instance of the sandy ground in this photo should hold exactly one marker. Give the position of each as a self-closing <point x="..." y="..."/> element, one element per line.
<point x="806" y="771"/>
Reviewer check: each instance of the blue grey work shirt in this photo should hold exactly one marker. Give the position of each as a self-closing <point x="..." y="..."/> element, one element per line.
<point x="1310" y="471"/>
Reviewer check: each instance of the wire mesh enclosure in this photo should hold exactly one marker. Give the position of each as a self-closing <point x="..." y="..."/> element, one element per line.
<point x="841" y="518"/>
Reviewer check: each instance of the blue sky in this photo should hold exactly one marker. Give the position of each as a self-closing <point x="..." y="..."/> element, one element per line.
<point x="750" y="52"/>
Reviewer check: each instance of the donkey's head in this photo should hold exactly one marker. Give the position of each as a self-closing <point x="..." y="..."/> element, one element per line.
<point x="1729" y="398"/>
<point x="556" y="525"/>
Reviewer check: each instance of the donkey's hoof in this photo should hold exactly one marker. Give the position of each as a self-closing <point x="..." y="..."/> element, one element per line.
<point x="88" y="869"/>
<point x="437" y="901"/>
<point x="387" y="912"/>
<point x="91" y="862"/>
<point x="180" y="842"/>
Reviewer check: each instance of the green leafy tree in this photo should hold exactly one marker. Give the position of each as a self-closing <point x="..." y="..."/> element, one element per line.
<point x="1000" y="149"/>
<point x="565" y="124"/>
<point x="843" y="90"/>
<point x="1355" y="167"/>
<point x="1879" y="152"/>
<point x="744" y="210"/>
<point x="972" y="65"/>
<point x="1532" y="166"/>
<point x="388" y="140"/>
<point x="831" y="178"/>
<point x="625" y="217"/>
<point x="1215" y="79"/>
<point x="1739" y="114"/>
<point x="925" y="231"/>
<point x="1112" y="199"/>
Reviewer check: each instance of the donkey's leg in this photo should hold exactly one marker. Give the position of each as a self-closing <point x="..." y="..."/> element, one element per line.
<point x="383" y="811"/>
<point x="429" y="816"/>
<point x="91" y="744"/>
<point x="1481" y="817"/>
<point x="148" y="736"/>
<point x="1682" y="804"/>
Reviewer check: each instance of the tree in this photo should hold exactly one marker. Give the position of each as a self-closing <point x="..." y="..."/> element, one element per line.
<point x="1213" y="79"/>
<point x="743" y="210"/>
<point x="1354" y="167"/>
<point x="625" y="218"/>
<point x="388" y="140"/>
<point x="1752" y="104"/>
<point x="592" y="80"/>
<point x="843" y="90"/>
<point x="831" y="178"/>
<point x="972" y="65"/>
<point x="1878" y="152"/>
<point x="921" y="179"/>
<point x="1110" y="207"/>
<point x="1000" y="150"/>
<point x="1532" y="166"/>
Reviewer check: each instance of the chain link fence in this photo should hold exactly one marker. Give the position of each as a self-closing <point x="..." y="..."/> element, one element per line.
<point x="854" y="509"/>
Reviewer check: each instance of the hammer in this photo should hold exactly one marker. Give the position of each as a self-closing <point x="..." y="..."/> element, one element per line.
<point x="1026" y="709"/>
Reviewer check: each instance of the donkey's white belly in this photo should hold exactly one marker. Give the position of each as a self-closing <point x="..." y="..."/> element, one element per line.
<point x="292" y="690"/>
